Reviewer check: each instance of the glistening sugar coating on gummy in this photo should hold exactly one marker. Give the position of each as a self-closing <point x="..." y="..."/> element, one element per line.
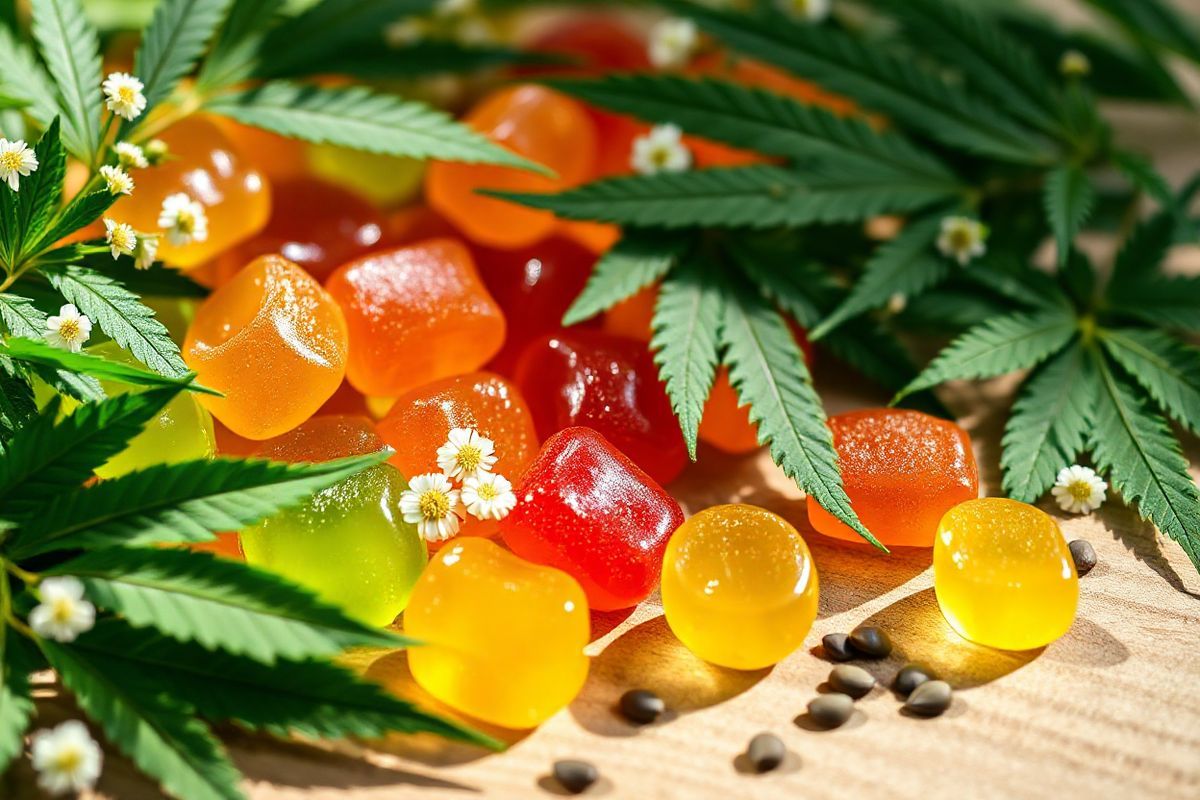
<point x="503" y="638"/>
<point x="587" y="509"/>
<point x="1003" y="574"/>
<point x="902" y="471"/>
<point x="739" y="587"/>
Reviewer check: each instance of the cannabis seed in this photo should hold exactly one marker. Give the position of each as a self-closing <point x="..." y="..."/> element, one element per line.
<point x="910" y="677"/>
<point x="831" y="710"/>
<point x="641" y="706"/>
<point x="766" y="752"/>
<point x="851" y="680"/>
<point x="869" y="641"/>
<point x="575" y="776"/>
<point x="836" y="647"/>
<point x="930" y="698"/>
<point x="1084" y="556"/>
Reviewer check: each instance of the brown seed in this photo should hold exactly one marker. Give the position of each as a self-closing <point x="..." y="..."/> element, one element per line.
<point x="641" y="706"/>
<point x="869" y="641"/>
<point x="1084" y="556"/>
<point x="910" y="677"/>
<point x="836" y="647"/>
<point x="930" y="698"/>
<point x="766" y="752"/>
<point x="575" y="776"/>
<point x="831" y="710"/>
<point x="851" y="680"/>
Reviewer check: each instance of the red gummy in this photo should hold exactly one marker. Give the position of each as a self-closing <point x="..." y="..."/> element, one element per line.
<point x="534" y="287"/>
<point x="608" y="383"/>
<point x="586" y="509"/>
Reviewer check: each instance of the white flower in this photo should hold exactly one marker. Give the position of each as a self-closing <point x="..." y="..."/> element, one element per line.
<point x="16" y="161"/>
<point x="145" y="252"/>
<point x="120" y="237"/>
<point x="130" y="156"/>
<point x="488" y="496"/>
<point x="962" y="239"/>
<point x="660" y="150"/>
<point x="807" y="10"/>
<point x="156" y="151"/>
<point x="66" y="757"/>
<point x="184" y="220"/>
<point x="1079" y="490"/>
<point x="1074" y="64"/>
<point x="62" y="613"/>
<point x="116" y="180"/>
<point x="465" y="454"/>
<point x="68" y="330"/>
<point x="672" y="43"/>
<point x="431" y="503"/>
<point x="124" y="93"/>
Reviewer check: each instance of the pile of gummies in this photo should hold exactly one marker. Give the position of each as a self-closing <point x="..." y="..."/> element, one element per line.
<point x="347" y="316"/>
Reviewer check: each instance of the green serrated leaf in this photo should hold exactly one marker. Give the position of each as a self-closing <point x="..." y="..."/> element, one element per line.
<point x="16" y="704"/>
<point x="905" y="265"/>
<point x="1134" y="445"/>
<point x="186" y="502"/>
<point x="1140" y="256"/>
<point x="1154" y="22"/>
<point x="766" y="368"/>
<point x="120" y="314"/>
<point x="1172" y="303"/>
<point x="17" y="404"/>
<point x="1049" y="425"/>
<point x="71" y="48"/>
<point x="83" y="210"/>
<point x="739" y="197"/>
<point x="639" y="259"/>
<point x="687" y="322"/>
<point x="1165" y="367"/>
<point x="49" y="456"/>
<point x="998" y="346"/>
<point x="376" y="61"/>
<point x="156" y="732"/>
<point x="218" y="603"/>
<point x="1013" y="278"/>
<point x="364" y="120"/>
<point x="34" y="351"/>
<point x="41" y="192"/>
<point x="238" y="47"/>
<point x="1144" y="176"/>
<point x="157" y="280"/>
<point x="1068" y="197"/>
<point x="21" y="75"/>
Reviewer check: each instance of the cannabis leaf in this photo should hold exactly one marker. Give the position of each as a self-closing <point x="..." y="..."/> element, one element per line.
<point x="177" y="36"/>
<point x="22" y="76"/>
<point x="636" y="261"/>
<point x="1069" y="197"/>
<point x="37" y="352"/>
<point x="16" y="705"/>
<point x="238" y="44"/>
<point x="72" y="50"/>
<point x="1167" y="368"/>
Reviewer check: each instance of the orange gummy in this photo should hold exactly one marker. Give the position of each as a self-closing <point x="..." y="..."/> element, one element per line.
<point x="274" y="342"/>
<point x="205" y="165"/>
<point x="534" y="122"/>
<point x="277" y="157"/>
<point x="415" y="314"/>
<point x="902" y="470"/>
<point x="323" y="439"/>
<point x="420" y="422"/>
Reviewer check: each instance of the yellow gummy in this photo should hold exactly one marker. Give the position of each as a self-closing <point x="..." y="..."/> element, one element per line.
<point x="1003" y="574"/>
<point x="503" y="638"/>
<point x="382" y="179"/>
<point x="739" y="587"/>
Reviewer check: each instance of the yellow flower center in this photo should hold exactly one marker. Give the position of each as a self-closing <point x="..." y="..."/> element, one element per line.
<point x="960" y="238"/>
<point x="63" y="609"/>
<point x="68" y="331"/>
<point x="660" y="156"/>
<point x="469" y="457"/>
<point x="11" y="160"/>
<point x="1080" y="490"/>
<point x="434" y="504"/>
<point x="126" y="94"/>
<point x="185" y="221"/>
<point x="68" y="760"/>
<point x="488" y="492"/>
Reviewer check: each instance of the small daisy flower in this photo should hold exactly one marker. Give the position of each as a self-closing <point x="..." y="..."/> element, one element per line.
<point x="1074" y="64"/>
<point x="66" y="758"/>
<point x="117" y="180"/>
<point x="466" y="454"/>
<point x="672" y="43"/>
<point x="124" y="95"/>
<point x="156" y="152"/>
<point x="962" y="238"/>
<point x="69" y="330"/>
<point x="62" y="613"/>
<point x="431" y="503"/>
<point x="121" y="238"/>
<point x="145" y="252"/>
<point x="16" y="162"/>
<point x="488" y="496"/>
<point x="184" y="220"/>
<point x="130" y="156"/>
<point x="1079" y="490"/>
<point x="807" y="10"/>
<point x="660" y="150"/>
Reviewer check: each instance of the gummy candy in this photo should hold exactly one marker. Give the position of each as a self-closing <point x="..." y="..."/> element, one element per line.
<point x="348" y="543"/>
<point x="902" y="470"/>
<point x="1003" y="574"/>
<point x="277" y="157"/>
<point x="534" y="122"/>
<point x="274" y="342"/>
<point x="503" y="638"/>
<point x="739" y="587"/>
<point x="534" y="287"/>
<point x="416" y="223"/>
<point x="587" y="509"/>
<point x="384" y="180"/>
<point x="415" y="314"/>
<point x="420" y="422"/>
<point x="608" y="383"/>
<point x="205" y="165"/>
<point x="633" y="316"/>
